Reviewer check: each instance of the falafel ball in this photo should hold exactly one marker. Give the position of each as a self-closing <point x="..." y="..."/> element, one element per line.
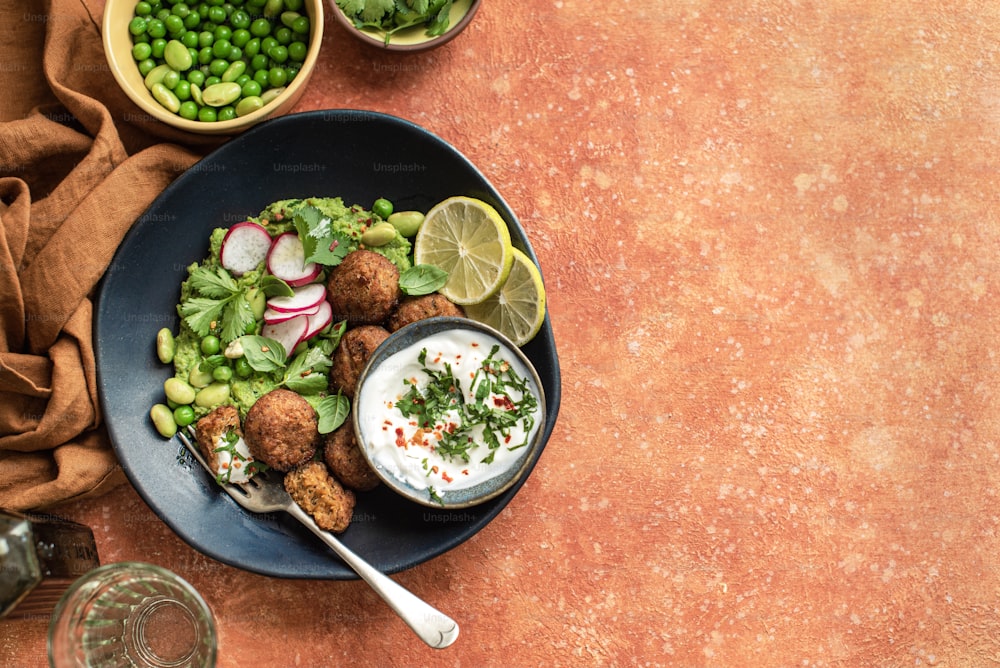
<point x="342" y="454"/>
<point x="312" y="487"/>
<point x="364" y="288"/>
<point x="282" y="430"/>
<point x="413" y="309"/>
<point x="351" y="355"/>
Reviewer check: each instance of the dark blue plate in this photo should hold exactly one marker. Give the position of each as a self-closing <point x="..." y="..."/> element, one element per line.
<point x="356" y="155"/>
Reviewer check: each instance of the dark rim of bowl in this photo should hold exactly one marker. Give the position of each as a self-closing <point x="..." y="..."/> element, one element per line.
<point x="439" y="324"/>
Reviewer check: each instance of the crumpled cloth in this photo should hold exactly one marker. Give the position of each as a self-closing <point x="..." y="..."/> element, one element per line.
<point x="79" y="163"/>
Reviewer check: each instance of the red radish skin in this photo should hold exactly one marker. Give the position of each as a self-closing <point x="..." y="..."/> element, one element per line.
<point x="303" y="298"/>
<point x="286" y="260"/>
<point x="244" y="247"/>
<point x="319" y="320"/>
<point x="288" y="333"/>
<point x="271" y="316"/>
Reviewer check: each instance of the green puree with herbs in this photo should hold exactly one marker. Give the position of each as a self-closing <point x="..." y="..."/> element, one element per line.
<point x="216" y="305"/>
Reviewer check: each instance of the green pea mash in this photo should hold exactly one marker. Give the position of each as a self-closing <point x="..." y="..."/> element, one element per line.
<point x="277" y="218"/>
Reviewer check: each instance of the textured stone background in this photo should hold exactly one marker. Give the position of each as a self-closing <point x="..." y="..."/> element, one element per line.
<point x="769" y="235"/>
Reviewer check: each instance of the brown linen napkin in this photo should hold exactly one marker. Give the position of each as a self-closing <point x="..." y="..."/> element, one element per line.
<point x="78" y="165"/>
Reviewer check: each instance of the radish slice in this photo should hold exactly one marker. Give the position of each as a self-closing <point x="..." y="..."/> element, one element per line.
<point x="244" y="247"/>
<point x="286" y="260"/>
<point x="319" y="320"/>
<point x="288" y="333"/>
<point x="303" y="299"/>
<point x="272" y="316"/>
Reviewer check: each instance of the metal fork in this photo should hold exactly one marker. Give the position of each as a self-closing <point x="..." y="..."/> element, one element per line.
<point x="265" y="495"/>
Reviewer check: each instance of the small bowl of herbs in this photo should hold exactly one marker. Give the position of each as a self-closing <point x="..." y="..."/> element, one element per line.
<point x="404" y="25"/>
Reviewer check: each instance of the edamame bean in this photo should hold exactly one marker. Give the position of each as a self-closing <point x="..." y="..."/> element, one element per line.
<point x="212" y="395"/>
<point x="221" y="94"/>
<point x="178" y="391"/>
<point x="166" y="97"/>
<point x="271" y="94"/>
<point x="378" y="234"/>
<point x="248" y="105"/>
<point x="177" y="55"/>
<point x="234" y="71"/>
<point x="156" y="75"/>
<point x="199" y="378"/>
<point x="406" y="222"/>
<point x="163" y="420"/>
<point x="166" y="346"/>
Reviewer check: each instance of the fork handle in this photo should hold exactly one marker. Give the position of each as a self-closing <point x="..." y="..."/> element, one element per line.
<point x="434" y="627"/>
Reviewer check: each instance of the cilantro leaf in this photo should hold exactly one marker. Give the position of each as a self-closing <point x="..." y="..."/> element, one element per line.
<point x="320" y="242"/>
<point x="374" y="10"/>
<point x="201" y="313"/>
<point x="217" y="284"/>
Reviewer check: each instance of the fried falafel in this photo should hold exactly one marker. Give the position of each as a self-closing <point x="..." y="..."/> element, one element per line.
<point x="282" y="430"/>
<point x="312" y="487"/>
<point x="211" y="433"/>
<point x="352" y="353"/>
<point x="413" y="309"/>
<point x="364" y="288"/>
<point x="345" y="459"/>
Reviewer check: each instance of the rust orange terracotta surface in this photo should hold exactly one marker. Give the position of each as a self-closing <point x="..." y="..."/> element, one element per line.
<point x="769" y="233"/>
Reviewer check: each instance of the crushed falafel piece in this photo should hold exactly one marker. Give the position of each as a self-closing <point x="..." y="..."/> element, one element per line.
<point x="344" y="458"/>
<point x="364" y="288"/>
<point x="212" y="428"/>
<point x="412" y="309"/>
<point x="352" y="353"/>
<point x="282" y="430"/>
<point x="313" y="488"/>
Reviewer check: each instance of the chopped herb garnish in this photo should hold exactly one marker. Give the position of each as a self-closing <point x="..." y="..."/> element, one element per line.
<point x="230" y="441"/>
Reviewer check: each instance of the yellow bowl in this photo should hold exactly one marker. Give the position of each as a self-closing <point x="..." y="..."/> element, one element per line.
<point x="118" y="50"/>
<point x="415" y="39"/>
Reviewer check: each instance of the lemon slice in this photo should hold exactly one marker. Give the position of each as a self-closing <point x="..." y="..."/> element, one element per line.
<point x="518" y="309"/>
<point x="468" y="239"/>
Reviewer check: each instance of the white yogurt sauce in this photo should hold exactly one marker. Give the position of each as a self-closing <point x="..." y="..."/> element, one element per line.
<point x="238" y="470"/>
<point x="401" y="448"/>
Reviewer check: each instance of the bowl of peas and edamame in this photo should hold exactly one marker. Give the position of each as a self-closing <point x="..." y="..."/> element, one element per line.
<point x="213" y="66"/>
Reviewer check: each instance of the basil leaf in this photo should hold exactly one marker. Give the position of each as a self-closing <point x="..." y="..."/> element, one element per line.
<point x="275" y="287"/>
<point x="263" y="354"/>
<point x="312" y="383"/>
<point x="422" y="279"/>
<point x="332" y="412"/>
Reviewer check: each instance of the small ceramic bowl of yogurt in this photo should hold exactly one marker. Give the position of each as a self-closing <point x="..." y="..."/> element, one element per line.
<point x="448" y="412"/>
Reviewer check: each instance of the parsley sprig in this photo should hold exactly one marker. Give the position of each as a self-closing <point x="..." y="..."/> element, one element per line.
<point x="395" y="15"/>
<point x="501" y="400"/>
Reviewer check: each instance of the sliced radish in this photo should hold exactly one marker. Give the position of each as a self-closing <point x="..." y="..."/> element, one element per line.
<point x="244" y="247"/>
<point x="272" y="316"/>
<point x="302" y="299"/>
<point x="286" y="260"/>
<point x="319" y="320"/>
<point x="288" y="333"/>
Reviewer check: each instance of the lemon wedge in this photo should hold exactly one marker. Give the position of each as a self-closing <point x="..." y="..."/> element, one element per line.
<point x="517" y="310"/>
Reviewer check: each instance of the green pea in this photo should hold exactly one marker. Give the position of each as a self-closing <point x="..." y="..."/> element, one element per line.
<point x="406" y="222"/>
<point x="205" y="55"/>
<point x="212" y="395"/>
<point x="258" y="62"/>
<point x="155" y="75"/>
<point x="178" y="391"/>
<point x="223" y="32"/>
<point x="221" y="94"/>
<point x="288" y="18"/>
<point x="211" y="81"/>
<point x="220" y="48"/>
<point x="252" y="48"/>
<point x="146" y="66"/>
<point x="138" y="26"/>
<point x="277" y="76"/>
<point x="241" y="37"/>
<point x="235" y="53"/>
<point x="234" y="71"/>
<point x="283" y="35"/>
<point x="205" y="38"/>
<point x="298" y="51"/>
<point x="260" y="28"/>
<point x="189" y="39"/>
<point x="267" y="43"/>
<point x="177" y="55"/>
<point x="182" y="90"/>
<point x="155" y="28"/>
<point x="250" y="89"/>
<point x="210" y="345"/>
<point x="242" y="368"/>
<point x="163" y="420"/>
<point x="143" y="8"/>
<point x="196" y="77"/>
<point x="141" y="51"/>
<point x="174" y="24"/>
<point x="273" y="7"/>
<point x="217" y="15"/>
<point x="171" y="79"/>
<point x="227" y="113"/>
<point x="182" y="10"/>
<point x="301" y="26"/>
<point x="240" y="19"/>
<point x="248" y="105"/>
<point x="192" y="21"/>
<point x="278" y="54"/>
<point x="166" y="346"/>
<point x="382" y="208"/>
<point x="166" y="97"/>
<point x="293" y="5"/>
<point x="218" y="66"/>
<point x="189" y="110"/>
<point x="183" y="416"/>
<point x="207" y="115"/>
<point x="223" y="374"/>
<point x="260" y="76"/>
<point x="158" y="45"/>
